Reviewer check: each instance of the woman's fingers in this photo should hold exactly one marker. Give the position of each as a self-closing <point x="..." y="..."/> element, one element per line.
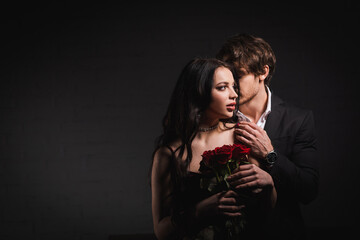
<point x="230" y="193"/>
<point x="231" y="208"/>
<point x="229" y="204"/>
<point x="227" y="201"/>
<point x="234" y="210"/>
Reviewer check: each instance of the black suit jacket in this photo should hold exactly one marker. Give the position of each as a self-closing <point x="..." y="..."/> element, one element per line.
<point x="296" y="172"/>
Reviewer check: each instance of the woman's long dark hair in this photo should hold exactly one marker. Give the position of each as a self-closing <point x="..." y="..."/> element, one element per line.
<point x="190" y="98"/>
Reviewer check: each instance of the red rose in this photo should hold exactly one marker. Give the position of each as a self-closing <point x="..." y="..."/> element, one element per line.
<point x="223" y="154"/>
<point x="208" y="158"/>
<point x="239" y="151"/>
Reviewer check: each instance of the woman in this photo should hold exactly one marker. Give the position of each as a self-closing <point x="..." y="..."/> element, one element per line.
<point x="203" y="100"/>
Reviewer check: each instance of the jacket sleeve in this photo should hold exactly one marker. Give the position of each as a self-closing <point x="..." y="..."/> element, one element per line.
<point x="296" y="174"/>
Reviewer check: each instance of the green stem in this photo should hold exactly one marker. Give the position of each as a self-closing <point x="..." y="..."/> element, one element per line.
<point x="217" y="176"/>
<point x="228" y="167"/>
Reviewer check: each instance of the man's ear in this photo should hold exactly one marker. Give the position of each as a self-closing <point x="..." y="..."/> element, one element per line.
<point x="266" y="73"/>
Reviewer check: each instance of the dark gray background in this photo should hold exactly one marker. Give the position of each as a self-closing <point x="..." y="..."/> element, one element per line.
<point x="84" y="88"/>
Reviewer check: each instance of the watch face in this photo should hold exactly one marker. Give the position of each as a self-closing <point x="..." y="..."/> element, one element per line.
<point x="271" y="157"/>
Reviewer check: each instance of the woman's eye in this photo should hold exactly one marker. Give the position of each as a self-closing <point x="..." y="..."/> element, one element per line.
<point x="221" y="88"/>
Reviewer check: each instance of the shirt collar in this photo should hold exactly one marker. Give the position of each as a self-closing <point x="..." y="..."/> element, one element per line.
<point x="268" y="106"/>
<point x="264" y="116"/>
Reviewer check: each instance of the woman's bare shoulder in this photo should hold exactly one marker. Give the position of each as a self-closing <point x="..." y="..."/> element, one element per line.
<point x="164" y="154"/>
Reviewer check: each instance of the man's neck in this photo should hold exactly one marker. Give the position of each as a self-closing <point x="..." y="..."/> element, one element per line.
<point x="256" y="106"/>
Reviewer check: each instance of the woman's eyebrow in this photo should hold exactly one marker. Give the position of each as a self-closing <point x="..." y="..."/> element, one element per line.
<point x="227" y="83"/>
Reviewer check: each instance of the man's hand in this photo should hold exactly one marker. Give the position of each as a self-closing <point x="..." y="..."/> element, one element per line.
<point x="255" y="137"/>
<point x="250" y="176"/>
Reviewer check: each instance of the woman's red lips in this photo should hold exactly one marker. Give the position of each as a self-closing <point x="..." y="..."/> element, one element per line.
<point x="231" y="106"/>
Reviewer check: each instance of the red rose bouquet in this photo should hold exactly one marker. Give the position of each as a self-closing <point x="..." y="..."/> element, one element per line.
<point x="222" y="161"/>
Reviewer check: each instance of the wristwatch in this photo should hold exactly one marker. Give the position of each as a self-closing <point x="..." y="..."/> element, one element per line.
<point x="271" y="158"/>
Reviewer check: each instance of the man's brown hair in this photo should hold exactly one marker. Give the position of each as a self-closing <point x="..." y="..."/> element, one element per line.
<point x="248" y="54"/>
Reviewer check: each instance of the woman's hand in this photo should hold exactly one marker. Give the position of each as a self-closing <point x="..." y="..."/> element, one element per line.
<point x="224" y="203"/>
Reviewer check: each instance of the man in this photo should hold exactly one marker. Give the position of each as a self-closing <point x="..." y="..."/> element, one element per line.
<point x="281" y="136"/>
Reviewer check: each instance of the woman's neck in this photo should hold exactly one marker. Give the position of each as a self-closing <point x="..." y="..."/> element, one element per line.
<point x="207" y="127"/>
<point x="208" y="121"/>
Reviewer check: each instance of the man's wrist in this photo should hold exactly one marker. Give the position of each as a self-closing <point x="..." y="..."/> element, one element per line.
<point x="267" y="152"/>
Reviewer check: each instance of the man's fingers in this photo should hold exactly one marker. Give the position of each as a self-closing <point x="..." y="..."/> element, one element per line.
<point x="245" y="133"/>
<point x="235" y="177"/>
<point x="251" y="128"/>
<point x="243" y="140"/>
<point x="248" y="124"/>
<point x="251" y="184"/>
<point x="242" y="171"/>
<point x="243" y="180"/>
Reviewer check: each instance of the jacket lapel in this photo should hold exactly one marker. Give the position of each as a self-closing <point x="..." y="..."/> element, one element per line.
<point x="274" y="119"/>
